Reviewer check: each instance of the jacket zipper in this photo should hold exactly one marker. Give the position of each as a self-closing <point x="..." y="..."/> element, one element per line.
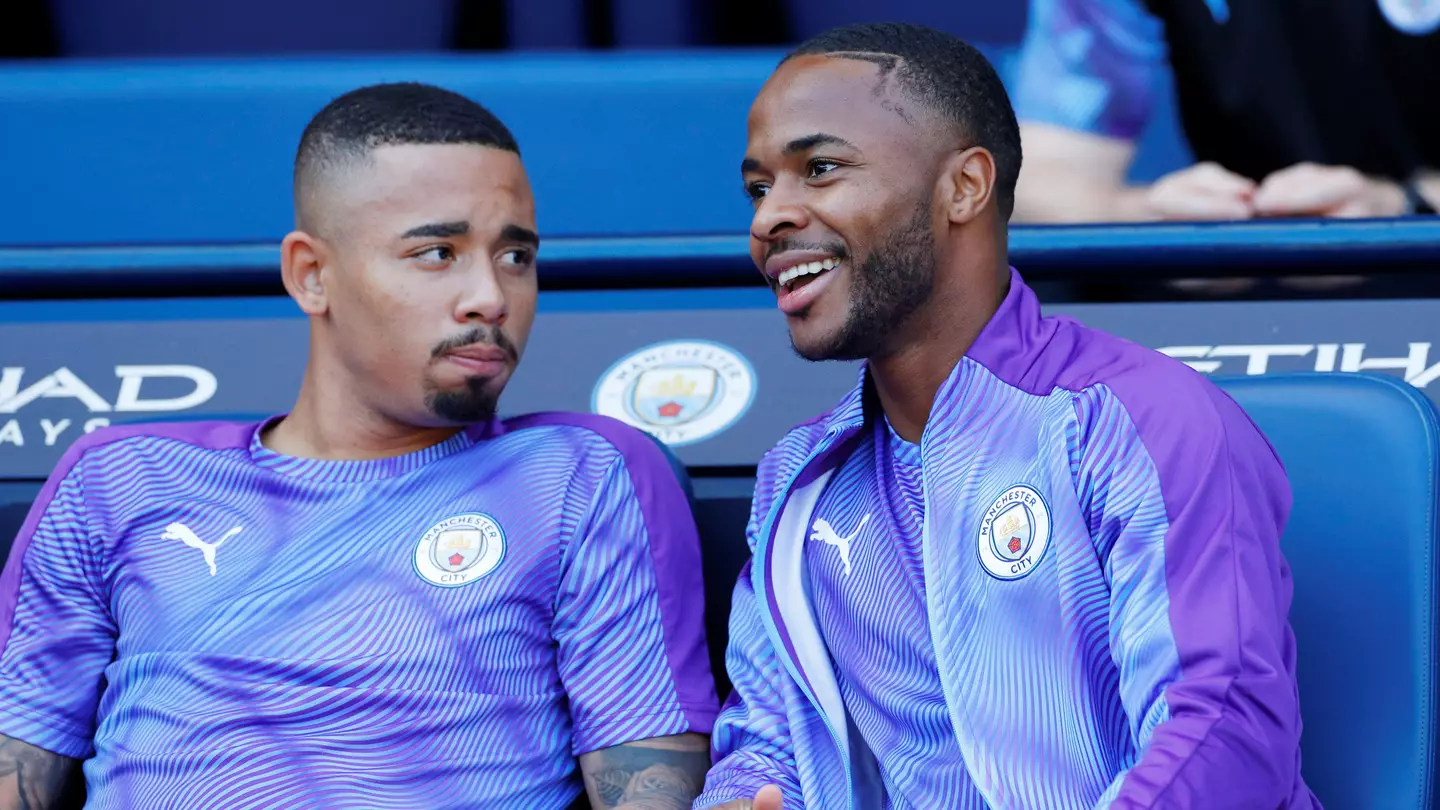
<point x="825" y="446"/>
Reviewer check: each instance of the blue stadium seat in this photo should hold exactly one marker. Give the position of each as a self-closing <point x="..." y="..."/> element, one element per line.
<point x="195" y="152"/>
<point x="1362" y="453"/>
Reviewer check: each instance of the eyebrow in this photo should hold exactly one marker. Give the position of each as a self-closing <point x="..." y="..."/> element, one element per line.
<point x="798" y="145"/>
<point x="443" y="230"/>
<point x="437" y="230"/>
<point x="809" y="142"/>
<point x="521" y="234"/>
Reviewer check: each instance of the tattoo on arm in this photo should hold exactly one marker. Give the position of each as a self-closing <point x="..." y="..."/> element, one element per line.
<point x="31" y="778"/>
<point x="664" y="773"/>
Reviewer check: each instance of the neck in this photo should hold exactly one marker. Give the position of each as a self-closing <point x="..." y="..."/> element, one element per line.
<point x="326" y="424"/>
<point x="934" y="339"/>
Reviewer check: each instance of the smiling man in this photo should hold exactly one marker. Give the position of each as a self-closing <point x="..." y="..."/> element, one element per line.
<point x="1024" y="564"/>
<point x="387" y="597"/>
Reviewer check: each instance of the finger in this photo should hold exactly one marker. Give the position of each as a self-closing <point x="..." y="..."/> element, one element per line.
<point x="1313" y="190"/>
<point x="1218" y="180"/>
<point x="1199" y="206"/>
<point x="1289" y="173"/>
<point x="1204" y="192"/>
<point x="769" y="798"/>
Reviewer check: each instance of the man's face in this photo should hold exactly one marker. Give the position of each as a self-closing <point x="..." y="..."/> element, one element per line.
<point x="432" y="291"/>
<point x="841" y="166"/>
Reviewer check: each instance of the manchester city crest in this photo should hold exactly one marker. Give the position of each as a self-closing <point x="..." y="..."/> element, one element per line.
<point x="1415" y="17"/>
<point x="459" y="550"/>
<point x="1014" y="533"/>
<point x="682" y="391"/>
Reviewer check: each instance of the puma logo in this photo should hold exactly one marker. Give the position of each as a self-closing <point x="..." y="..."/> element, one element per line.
<point x="181" y="532"/>
<point x="823" y="532"/>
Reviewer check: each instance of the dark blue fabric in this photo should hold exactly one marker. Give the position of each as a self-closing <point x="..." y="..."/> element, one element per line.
<point x="99" y="28"/>
<point x="991" y="23"/>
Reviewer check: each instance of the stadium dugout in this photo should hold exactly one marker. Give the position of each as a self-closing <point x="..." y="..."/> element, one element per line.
<point x="137" y="252"/>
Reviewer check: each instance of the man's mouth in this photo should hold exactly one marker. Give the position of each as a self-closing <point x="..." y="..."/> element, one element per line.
<point x="793" y="278"/>
<point x="802" y="280"/>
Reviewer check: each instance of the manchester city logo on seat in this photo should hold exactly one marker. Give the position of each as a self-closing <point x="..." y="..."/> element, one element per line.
<point x="1416" y="17"/>
<point x="459" y="550"/>
<point x="1014" y="533"/>
<point x="682" y="391"/>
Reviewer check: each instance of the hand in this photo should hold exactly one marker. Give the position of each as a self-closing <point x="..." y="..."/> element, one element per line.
<point x="1309" y="189"/>
<point x="1203" y="192"/>
<point x="768" y="798"/>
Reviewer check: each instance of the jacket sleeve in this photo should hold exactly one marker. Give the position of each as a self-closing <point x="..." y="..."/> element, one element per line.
<point x="1090" y="66"/>
<point x="1187" y="502"/>
<point x="751" y="744"/>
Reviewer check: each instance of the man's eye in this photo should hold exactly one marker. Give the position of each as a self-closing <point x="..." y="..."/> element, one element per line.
<point x="756" y="190"/>
<point x="820" y="166"/>
<point x="439" y="254"/>
<point x="519" y="257"/>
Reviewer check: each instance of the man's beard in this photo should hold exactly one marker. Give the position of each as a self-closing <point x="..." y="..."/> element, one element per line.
<point x="472" y="404"/>
<point x="476" y="401"/>
<point x="895" y="281"/>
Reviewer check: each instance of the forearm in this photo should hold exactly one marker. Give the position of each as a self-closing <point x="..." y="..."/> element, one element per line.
<point x="1073" y="176"/>
<point x="31" y="778"/>
<point x="665" y="773"/>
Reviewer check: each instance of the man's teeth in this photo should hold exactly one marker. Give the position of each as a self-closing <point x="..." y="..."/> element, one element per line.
<point x="809" y="268"/>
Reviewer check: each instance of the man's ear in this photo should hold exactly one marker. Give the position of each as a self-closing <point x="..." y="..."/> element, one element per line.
<point x="303" y="259"/>
<point x="968" y="184"/>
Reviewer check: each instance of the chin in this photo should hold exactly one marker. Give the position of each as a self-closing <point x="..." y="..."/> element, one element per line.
<point x="476" y="401"/>
<point x="814" y="345"/>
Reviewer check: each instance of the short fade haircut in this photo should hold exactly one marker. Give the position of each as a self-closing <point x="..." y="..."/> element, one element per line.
<point x="350" y="127"/>
<point x="944" y="74"/>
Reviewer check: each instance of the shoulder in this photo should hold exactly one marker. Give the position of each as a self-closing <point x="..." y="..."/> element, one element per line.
<point x="122" y="441"/>
<point x="597" y="439"/>
<point x="1160" y="395"/>
<point x="116" y="455"/>
<point x="1187" y="426"/>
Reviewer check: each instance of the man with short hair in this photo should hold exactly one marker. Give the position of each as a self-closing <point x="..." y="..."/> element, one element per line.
<point x="1024" y="564"/>
<point x="387" y="597"/>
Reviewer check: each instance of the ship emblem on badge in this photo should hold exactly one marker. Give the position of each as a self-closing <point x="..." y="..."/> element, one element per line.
<point x="1014" y="533"/>
<point x="680" y="391"/>
<point x="459" y="550"/>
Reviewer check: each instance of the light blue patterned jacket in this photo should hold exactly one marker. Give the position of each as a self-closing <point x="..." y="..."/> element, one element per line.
<point x="1124" y="644"/>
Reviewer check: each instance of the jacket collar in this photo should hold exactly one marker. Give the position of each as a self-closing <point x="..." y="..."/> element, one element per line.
<point x="1008" y="339"/>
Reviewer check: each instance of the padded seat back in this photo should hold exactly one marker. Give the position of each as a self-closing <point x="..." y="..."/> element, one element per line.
<point x="1362" y="455"/>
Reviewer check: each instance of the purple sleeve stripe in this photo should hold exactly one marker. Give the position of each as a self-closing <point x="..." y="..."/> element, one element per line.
<point x="675" y="553"/>
<point x="1234" y="709"/>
